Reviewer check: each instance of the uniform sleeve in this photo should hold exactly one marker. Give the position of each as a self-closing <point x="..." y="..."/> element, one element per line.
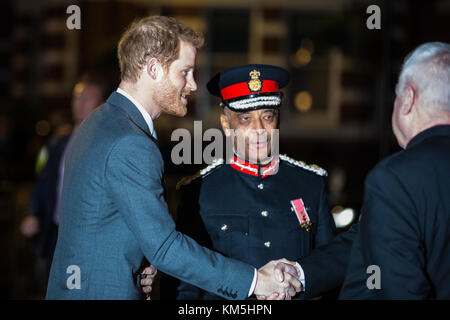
<point x="326" y="228"/>
<point x="390" y="237"/>
<point x="133" y="176"/>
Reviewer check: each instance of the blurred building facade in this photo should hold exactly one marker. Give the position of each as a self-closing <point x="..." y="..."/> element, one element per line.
<point x="336" y="111"/>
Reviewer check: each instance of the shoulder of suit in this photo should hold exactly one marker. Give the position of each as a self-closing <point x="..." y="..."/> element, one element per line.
<point x="216" y="163"/>
<point x="312" y="167"/>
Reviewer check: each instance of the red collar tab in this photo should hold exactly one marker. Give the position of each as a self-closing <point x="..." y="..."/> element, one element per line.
<point x="245" y="167"/>
<point x="254" y="169"/>
<point x="271" y="168"/>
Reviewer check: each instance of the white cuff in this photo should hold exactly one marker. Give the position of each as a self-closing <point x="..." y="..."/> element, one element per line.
<point x="301" y="277"/>
<point x="252" y="288"/>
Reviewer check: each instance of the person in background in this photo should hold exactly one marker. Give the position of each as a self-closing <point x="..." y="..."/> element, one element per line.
<point x="42" y="220"/>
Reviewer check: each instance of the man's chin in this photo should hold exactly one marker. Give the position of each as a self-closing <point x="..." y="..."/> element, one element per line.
<point x="260" y="154"/>
<point x="179" y="112"/>
<point x="259" y="159"/>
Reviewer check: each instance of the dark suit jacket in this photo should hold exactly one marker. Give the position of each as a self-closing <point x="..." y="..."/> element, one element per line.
<point x="326" y="266"/>
<point x="405" y="224"/>
<point x="45" y="196"/>
<point x="113" y="214"/>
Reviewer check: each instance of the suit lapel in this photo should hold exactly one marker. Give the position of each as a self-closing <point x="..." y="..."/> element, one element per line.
<point x="134" y="114"/>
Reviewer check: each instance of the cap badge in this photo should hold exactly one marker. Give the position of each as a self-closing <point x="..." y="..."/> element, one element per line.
<point x="255" y="83"/>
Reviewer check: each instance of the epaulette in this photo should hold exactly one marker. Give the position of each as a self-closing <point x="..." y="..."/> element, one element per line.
<point x="186" y="180"/>
<point x="313" y="167"/>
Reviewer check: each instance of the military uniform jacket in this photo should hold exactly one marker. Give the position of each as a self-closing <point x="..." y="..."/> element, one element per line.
<point x="245" y="211"/>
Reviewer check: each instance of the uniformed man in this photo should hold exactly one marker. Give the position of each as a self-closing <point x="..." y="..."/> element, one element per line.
<point x="256" y="205"/>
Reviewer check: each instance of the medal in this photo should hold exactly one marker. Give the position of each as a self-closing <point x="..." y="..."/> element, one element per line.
<point x="299" y="208"/>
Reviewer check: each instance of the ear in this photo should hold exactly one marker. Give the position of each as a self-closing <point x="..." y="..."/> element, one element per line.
<point x="225" y="124"/>
<point x="155" y="69"/>
<point x="408" y="100"/>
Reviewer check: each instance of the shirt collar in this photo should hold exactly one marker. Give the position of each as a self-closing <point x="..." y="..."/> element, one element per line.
<point x="144" y="112"/>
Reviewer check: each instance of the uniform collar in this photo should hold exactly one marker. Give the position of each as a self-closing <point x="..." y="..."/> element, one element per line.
<point x="255" y="169"/>
<point x="439" y="130"/>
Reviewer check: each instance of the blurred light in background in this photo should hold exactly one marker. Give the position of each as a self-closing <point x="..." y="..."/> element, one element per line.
<point x="303" y="101"/>
<point x="78" y="89"/>
<point x="41" y="159"/>
<point x="308" y="44"/>
<point x="304" y="54"/>
<point x="42" y="128"/>
<point x="343" y="217"/>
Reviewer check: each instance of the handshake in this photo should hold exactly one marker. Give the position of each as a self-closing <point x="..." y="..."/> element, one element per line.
<point x="277" y="280"/>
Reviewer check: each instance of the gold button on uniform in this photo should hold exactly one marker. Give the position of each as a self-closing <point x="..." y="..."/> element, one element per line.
<point x="261" y="186"/>
<point x="267" y="244"/>
<point x="224" y="227"/>
<point x="264" y="213"/>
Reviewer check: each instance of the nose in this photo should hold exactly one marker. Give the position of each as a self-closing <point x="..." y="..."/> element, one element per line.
<point x="191" y="84"/>
<point x="258" y="128"/>
<point x="258" y="125"/>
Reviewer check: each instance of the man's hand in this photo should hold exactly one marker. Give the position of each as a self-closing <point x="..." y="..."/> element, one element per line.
<point x="277" y="280"/>
<point x="146" y="283"/>
<point x="280" y="269"/>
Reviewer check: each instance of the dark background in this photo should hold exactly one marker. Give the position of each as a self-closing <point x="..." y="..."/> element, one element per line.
<point x="348" y="71"/>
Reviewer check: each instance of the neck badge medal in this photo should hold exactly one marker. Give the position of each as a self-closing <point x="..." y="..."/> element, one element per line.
<point x="299" y="208"/>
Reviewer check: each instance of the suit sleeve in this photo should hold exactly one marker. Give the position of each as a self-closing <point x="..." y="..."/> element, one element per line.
<point x="390" y="237"/>
<point x="133" y="175"/>
<point x="326" y="266"/>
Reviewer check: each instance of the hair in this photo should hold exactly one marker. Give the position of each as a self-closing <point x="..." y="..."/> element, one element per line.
<point x="97" y="80"/>
<point x="226" y="111"/>
<point x="428" y="67"/>
<point x="153" y="37"/>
